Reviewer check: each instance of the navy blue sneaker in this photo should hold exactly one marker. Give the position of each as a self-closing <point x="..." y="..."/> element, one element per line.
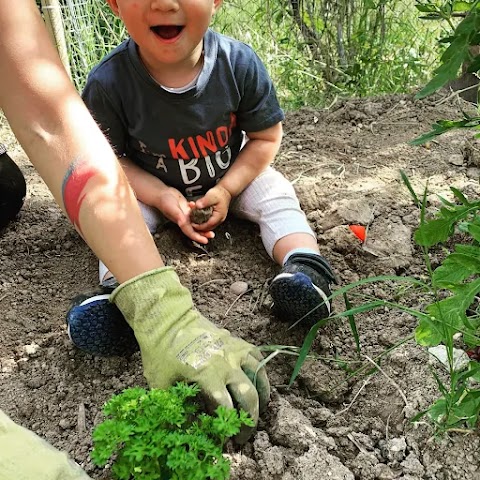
<point x="301" y="291"/>
<point x="97" y="326"/>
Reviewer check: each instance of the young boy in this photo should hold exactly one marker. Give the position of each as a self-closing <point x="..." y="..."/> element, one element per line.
<point x="194" y="119"/>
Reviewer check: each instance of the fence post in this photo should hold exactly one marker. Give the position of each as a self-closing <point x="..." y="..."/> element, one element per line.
<point x="52" y="14"/>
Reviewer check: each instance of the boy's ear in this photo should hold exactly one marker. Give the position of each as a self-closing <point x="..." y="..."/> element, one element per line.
<point x="216" y="5"/>
<point x="114" y="7"/>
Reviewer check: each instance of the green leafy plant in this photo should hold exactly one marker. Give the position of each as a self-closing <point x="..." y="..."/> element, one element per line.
<point x="314" y="50"/>
<point x="160" y="434"/>
<point x="456" y="285"/>
<point x="452" y="297"/>
<point x="462" y="40"/>
<point x="465" y="35"/>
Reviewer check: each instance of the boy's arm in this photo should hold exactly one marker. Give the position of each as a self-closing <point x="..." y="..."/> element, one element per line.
<point x="146" y="186"/>
<point x="168" y="200"/>
<point x="257" y="154"/>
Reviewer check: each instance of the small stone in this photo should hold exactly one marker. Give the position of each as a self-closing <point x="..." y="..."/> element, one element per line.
<point x="65" y="424"/>
<point x="36" y="382"/>
<point x="31" y="350"/>
<point x="384" y="472"/>
<point x="473" y="172"/>
<point x="460" y="358"/>
<point x="292" y="429"/>
<point x="26" y="410"/>
<point x="239" y="288"/>
<point x="319" y="416"/>
<point x="456" y="159"/>
<point x="412" y="466"/>
<point x="7" y="365"/>
<point x="396" y="449"/>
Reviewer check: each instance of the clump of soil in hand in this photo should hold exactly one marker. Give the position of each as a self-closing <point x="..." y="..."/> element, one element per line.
<point x="201" y="215"/>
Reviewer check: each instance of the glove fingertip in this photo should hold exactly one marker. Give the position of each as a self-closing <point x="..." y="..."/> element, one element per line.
<point x="262" y="385"/>
<point x="216" y="396"/>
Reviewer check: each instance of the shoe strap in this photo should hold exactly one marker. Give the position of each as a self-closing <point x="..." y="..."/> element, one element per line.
<point x="317" y="262"/>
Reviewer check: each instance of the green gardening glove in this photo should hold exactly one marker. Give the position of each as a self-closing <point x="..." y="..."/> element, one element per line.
<point x="25" y="456"/>
<point x="179" y="344"/>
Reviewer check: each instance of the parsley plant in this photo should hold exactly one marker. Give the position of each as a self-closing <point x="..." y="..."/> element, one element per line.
<point x="159" y="435"/>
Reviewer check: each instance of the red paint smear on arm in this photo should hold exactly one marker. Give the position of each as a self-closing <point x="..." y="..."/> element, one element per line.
<point x="73" y="188"/>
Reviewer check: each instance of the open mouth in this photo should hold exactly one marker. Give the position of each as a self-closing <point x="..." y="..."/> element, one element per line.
<point x="167" y="32"/>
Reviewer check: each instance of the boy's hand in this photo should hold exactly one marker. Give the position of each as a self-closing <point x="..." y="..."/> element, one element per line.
<point x="175" y="207"/>
<point x="217" y="197"/>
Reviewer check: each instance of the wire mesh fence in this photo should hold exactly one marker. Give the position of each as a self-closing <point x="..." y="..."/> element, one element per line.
<point x="313" y="49"/>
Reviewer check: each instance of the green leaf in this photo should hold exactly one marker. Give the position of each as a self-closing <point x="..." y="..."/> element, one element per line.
<point x="441" y="386"/>
<point x="474" y="231"/>
<point x="454" y="56"/>
<point x="158" y="434"/>
<point x="461" y="6"/>
<point x="446" y="202"/>
<point x="460" y="196"/>
<point x="407" y="183"/>
<point x="474" y="66"/>
<point x="442" y="126"/>
<point x="439" y="229"/>
<point x="467" y="261"/>
<point x="446" y="318"/>
<point x="458" y="266"/>
<point x="428" y="332"/>
<point x="351" y="321"/>
<point x="473" y="371"/>
<point x="466" y="409"/>
<point x="307" y="344"/>
<point x="437" y="129"/>
<point x="433" y="232"/>
<point x="438" y="411"/>
<point x="426" y="8"/>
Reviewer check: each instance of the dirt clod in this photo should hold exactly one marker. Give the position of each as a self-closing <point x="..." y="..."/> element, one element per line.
<point x="201" y="215"/>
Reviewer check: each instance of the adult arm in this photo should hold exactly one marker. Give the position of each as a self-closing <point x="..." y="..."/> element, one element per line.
<point x="76" y="162"/>
<point x="66" y="146"/>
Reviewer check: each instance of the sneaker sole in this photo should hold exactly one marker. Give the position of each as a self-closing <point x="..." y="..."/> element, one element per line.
<point x="97" y="327"/>
<point x="297" y="299"/>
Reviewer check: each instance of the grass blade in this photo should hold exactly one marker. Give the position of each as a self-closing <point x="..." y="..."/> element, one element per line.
<point x="305" y="349"/>
<point x="407" y="183"/>
<point x="351" y="321"/>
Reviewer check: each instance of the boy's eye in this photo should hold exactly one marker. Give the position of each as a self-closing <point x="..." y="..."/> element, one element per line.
<point x="167" y="31"/>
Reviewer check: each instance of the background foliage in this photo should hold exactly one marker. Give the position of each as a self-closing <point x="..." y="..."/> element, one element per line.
<point x="314" y="50"/>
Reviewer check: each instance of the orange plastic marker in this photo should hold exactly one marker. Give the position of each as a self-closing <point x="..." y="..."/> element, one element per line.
<point x="359" y="231"/>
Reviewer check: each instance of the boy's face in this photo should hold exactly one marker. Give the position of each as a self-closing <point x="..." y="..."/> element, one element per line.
<point x="166" y="31"/>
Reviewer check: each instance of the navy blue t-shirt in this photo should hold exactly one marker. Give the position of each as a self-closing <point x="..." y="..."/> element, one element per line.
<point x="188" y="140"/>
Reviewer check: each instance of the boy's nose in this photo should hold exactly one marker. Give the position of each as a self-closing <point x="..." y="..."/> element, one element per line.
<point x="165" y="5"/>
